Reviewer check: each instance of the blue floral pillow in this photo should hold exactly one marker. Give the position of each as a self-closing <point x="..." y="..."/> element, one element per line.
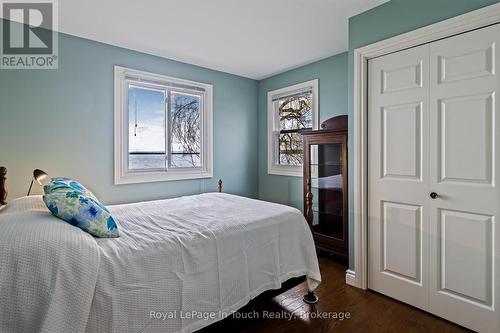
<point x="80" y="208"/>
<point x="61" y="183"/>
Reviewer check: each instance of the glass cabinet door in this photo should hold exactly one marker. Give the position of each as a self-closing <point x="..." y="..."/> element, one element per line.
<point x="327" y="187"/>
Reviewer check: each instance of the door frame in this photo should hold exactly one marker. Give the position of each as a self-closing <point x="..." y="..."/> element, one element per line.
<point x="469" y="21"/>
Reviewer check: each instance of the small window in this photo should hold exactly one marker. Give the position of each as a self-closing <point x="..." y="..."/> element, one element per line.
<point x="163" y="128"/>
<point x="290" y="110"/>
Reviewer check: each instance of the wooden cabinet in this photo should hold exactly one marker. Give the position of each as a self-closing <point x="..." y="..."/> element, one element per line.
<point x="325" y="185"/>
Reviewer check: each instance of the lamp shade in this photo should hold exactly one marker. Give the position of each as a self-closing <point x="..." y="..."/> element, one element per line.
<point x="39" y="175"/>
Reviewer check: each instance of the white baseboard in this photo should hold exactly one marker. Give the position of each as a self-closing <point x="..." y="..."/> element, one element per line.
<point x="350" y="278"/>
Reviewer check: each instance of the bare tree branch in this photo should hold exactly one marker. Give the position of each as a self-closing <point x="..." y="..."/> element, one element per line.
<point x="185" y="127"/>
<point x="294" y="114"/>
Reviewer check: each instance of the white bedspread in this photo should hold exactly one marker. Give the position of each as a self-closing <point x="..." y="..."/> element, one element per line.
<point x="199" y="255"/>
<point x="48" y="270"/>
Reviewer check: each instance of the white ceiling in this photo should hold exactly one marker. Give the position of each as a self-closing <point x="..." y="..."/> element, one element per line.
<point x="251" y="38"/>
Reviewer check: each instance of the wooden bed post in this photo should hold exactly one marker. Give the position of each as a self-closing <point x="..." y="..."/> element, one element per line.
<point x="3" y="186"/>
<point x="219" y="185"/>
<point x="311" y="298"/>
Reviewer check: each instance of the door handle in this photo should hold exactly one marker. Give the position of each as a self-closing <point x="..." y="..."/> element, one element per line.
<point x="433" y="195"/>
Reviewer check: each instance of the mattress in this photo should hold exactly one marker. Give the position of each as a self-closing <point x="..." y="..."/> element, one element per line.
<point x="179" y="264"/>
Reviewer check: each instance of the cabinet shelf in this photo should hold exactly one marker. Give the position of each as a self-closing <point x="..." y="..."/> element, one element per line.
<point x="326" y="164"/>
<point x="329" y="212"/>
<point x="333" y="189"/>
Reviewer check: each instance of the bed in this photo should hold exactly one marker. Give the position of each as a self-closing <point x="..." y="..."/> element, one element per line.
<point x="179" y="264"/>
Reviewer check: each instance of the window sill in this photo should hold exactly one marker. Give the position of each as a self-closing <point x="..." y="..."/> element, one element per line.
<point x="160" y="176"/>
<point x="291" y="171"/>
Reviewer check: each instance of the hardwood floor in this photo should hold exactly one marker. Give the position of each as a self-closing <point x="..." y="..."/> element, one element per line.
<point x="369" y="311"/>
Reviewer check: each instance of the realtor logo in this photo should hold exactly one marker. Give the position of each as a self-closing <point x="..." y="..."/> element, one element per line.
<point x="29" y="40"/>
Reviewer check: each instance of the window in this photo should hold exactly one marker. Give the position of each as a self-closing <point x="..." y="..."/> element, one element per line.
<point x="290" y="110"/>
<point x="163" y="128"/>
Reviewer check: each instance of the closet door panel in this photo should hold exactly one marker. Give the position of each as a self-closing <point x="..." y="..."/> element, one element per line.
<point x="398" y="175"/>
<point x="464" y="148"/>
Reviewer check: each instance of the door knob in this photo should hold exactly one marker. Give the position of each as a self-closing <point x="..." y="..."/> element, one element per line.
<point x="434" y="195"/>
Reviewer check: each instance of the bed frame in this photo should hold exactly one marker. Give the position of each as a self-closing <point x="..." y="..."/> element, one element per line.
<point x="310" y="297"/>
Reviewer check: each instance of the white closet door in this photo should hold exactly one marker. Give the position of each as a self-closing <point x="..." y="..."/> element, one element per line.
<point x="398" y="175"/>
<point x="434" y="199"/>
<point x="465" y="166"/>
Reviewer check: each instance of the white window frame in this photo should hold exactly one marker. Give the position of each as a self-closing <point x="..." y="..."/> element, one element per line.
<point x="272" y="167"/>
<point x="122" y="174"/>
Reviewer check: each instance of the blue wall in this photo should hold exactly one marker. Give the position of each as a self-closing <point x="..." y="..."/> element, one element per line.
<point x="61" y="121"/>
<point x="332" y="75"/>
